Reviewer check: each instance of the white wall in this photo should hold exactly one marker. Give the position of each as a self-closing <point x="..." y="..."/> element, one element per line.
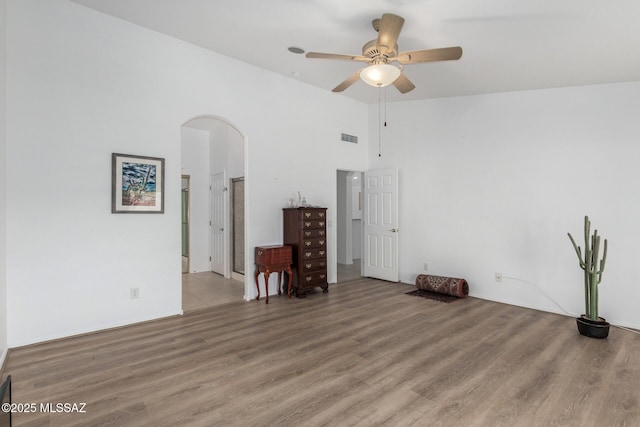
<point x="493" y="183"/>
<point x="82" y="85"/>
<point x="235" y="153"/>
<point x="218" y="136"/>
<point x="3" y="223"/>
<point x="226" y="145"/>
<point x="195" y="163"/>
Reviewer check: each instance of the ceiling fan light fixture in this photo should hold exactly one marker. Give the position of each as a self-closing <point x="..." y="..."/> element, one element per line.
<point x="380" y="75"/>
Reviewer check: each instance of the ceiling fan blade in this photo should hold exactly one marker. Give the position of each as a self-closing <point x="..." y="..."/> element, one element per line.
<point x="417" y="56"/>
<point x="390" y="26"/>
<point x="345" y="84"/>
<point x="403" y="84"/>
<point x="336" y="56"/>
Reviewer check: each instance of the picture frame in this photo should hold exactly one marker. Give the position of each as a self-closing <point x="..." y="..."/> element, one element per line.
<point x="137" y="184"/>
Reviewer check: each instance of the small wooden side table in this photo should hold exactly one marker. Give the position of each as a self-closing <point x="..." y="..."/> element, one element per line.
<point x="271" y="259"/>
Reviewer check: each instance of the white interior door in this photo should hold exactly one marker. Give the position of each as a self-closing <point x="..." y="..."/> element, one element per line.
<point x="218" y="223"/>
<point x="381" y="224"/>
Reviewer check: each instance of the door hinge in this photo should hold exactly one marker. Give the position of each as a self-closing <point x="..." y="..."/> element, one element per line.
<point x="209" y="223"/>
<point x="209" y="259"/>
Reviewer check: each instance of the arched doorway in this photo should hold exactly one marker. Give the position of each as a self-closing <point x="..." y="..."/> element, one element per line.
<point x="213" y="155"/>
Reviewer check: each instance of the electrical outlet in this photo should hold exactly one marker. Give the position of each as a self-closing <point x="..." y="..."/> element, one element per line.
<point x="425" y="267"/>
<point x="498" y="277"/>
<point x="135" y="293"/>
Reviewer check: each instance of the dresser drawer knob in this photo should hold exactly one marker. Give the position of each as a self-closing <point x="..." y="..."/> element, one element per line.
<point x="321" y="223"/>
<point x="307" y="233"/>
<point x="322" y="276"/>
<point x="309" y="279"/>
<point x="321" y="253"/>
<point x="259" y="252"/>
<point x="307" y="254"/>
<point x="307" y="224"/>
<point x="307" y="214"/>
<point x="308" y="266"/>
<point x="321" y="232"/>
<point x="321" y="242"/>
<point x="321" y="214"/>
<point x="307" y="243"/>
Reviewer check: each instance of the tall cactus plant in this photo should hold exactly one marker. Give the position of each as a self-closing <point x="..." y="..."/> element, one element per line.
<point x="592" y="268"/>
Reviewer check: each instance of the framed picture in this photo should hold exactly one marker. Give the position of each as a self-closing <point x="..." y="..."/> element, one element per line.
<point x="137" y="184"/>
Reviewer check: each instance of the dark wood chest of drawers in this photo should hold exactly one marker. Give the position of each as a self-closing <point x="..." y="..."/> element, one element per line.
<point x="305" y="230"/>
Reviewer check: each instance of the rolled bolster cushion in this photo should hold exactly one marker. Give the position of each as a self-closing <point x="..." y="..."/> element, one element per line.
<point x="443" y="285"/>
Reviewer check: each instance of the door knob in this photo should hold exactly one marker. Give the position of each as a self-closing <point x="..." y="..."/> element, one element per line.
<point x="394" y="230"/>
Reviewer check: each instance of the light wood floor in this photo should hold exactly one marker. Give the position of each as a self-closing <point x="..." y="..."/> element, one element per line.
<point x="348" y="271"/>
<point x="208" y="289"/>
<point x="363" y="354"/>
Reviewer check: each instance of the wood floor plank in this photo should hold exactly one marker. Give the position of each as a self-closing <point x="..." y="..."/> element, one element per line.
<point x="364" y="354"/>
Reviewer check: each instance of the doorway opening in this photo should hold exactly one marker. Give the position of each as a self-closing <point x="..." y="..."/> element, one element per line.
<point x="349" y="225"/>
<point x="213" y="156"/>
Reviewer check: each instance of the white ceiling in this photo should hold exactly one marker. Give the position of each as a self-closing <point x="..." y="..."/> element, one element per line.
<point x="508" y="45"/>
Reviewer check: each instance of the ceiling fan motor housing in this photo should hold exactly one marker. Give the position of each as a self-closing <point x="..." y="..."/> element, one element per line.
<point x="370" y="50"/>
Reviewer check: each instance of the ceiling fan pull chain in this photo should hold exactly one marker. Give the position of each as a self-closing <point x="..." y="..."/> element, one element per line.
<point x="385" y="107"/>
<point x="379" y="123"/>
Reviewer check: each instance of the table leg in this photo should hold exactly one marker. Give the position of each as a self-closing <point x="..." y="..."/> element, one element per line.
<point x="266" y="283"/>
<point x="279" y="282"/>
<point x="257" y="284"/>
<point x="290" y="274"/>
